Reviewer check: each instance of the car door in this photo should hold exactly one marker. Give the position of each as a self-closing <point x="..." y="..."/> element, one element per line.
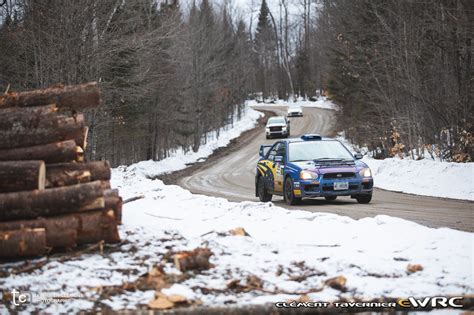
<point x="280" y="167"/>
<point x="270" y="168"/>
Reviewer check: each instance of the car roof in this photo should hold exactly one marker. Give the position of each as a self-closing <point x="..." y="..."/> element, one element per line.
<point x="293" y="140"/>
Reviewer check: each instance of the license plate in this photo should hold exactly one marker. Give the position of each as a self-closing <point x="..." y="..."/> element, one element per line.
<point x="341" y="185"/>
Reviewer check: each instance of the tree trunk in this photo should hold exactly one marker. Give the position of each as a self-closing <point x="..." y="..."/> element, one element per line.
<point x="98" y="226"/>
<point x="25" y="242"/>
<point x="58" y="152"/>
<point x="65" y="174"/>
<point x="24" y="131"/>
<point x="49" y="202"/>
<point x="61" y="231"/>
<point x="77" y="97"/>
<point x="22" y="175"/>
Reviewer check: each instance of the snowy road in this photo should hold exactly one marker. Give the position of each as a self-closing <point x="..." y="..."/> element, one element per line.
<point x="232" y="177"/>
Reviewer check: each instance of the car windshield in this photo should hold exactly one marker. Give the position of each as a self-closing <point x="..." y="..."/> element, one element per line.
<point x="318" y="150"/>
<point x="276" y="120"/>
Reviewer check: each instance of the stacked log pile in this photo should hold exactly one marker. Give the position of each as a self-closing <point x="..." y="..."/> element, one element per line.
<point x="50" y="198"/>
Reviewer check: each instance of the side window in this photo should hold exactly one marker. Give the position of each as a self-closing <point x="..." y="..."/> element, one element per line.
<point x="273" y="152"/>
<point x="281" y="151"/>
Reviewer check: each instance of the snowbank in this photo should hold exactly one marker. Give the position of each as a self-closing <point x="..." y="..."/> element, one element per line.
<point x="424" y="177"/>
<point x="421" y="177"/>
<point x="180" y="160"/>
<point x="322" y="102"/>
<point x="291" y="252"/>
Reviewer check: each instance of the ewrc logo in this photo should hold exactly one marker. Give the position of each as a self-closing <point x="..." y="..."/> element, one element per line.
<point x="434" y="302"/>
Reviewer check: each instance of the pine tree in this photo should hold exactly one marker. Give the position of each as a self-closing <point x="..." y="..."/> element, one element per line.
<point x="266" y="52"/>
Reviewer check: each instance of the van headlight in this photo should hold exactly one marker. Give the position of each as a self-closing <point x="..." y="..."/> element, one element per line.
<point x="365" y="172"/>
<point x="307" y="175"/>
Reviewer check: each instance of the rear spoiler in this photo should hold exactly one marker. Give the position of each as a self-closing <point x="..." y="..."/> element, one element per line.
<point x="264" y="148"/>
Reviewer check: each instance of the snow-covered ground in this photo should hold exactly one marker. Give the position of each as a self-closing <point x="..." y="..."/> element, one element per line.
<point x="287" y="254"/>
<point x="292" y="252"/>
<point x="322" y="102"/>
<point x="425" y="177"/>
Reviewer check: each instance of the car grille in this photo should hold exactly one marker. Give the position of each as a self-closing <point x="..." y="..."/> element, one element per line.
<point x="339" y="175"/>
<point x="275" y="128"/>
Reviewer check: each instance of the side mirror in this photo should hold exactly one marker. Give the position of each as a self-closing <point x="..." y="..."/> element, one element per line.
<point x="288" y="121"/>
<point x="278" y="159"/>
<point x="264" y="150"/>
<point x="358" y="156"/>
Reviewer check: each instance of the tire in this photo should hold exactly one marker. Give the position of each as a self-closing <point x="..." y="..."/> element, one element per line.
<point x="263" y="195"/>
<point x="364" y="198"/>
<point x="330" y="198"/>
<point x="288" y="193"/>
<point x="267" y="137"/>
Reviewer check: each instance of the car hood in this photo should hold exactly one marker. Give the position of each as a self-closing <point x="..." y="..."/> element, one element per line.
<point x="328" y="168"/>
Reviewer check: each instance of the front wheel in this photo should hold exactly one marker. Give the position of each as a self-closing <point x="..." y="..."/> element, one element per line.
<point x="289" y="193"/>
<point x="263" y="195"/>
<point x="364" y="198"/>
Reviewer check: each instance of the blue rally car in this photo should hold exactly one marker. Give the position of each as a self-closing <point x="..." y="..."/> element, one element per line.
<point x="309" y="167"/>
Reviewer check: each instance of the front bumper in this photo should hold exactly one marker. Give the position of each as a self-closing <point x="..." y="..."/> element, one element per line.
<point x="280" y="133"/>
<point x="325" y="188"/>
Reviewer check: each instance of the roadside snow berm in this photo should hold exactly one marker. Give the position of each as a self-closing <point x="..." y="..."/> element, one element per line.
<point x="49" y="196"/>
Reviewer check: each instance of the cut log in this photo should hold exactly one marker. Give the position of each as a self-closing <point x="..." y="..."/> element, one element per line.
<point x="81" y="137"/>
<point x="64" y="174"/>
<point x="22" y="175"/>
<point x="54" y="201"/>
<point x="197" y="259"/>
<point x="27" y="131"/>
<point x="114" y="201"/>
<point x="76" y="97"/>
<point x="29" y="111"/>
<point x="96" y="226"/>
<point x="61" y="231"/>
<point x="58" y="152"/>
<point x="80" y="154"/>
<point x="67" y="178"/>
<point x="22" y="243"/>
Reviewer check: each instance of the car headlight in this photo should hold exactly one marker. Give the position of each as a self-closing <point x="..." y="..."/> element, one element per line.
<point x="365" y="172"/>
<point x="283" y="128"/>
<point x="307" y="175"/>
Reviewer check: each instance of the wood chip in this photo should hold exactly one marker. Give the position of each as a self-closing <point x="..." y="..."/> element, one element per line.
<point x="160" y="303"/>
<point x="239" y="232"/>
<point x="414" y="268"/>
<point x="337" y="283"/>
